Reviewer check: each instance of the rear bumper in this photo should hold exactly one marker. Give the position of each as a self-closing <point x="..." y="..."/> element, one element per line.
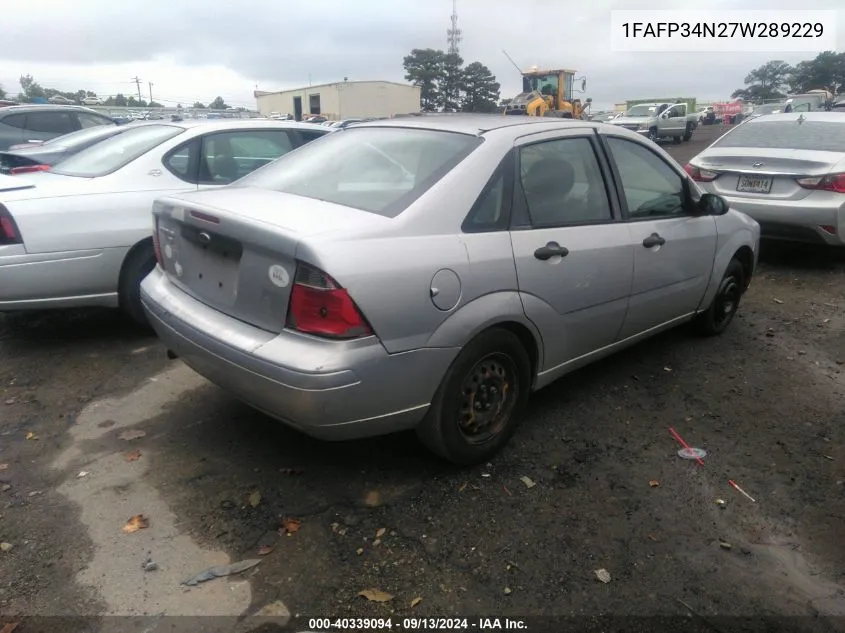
<point x="37" y="281"/>
<point x="796" y="222"/>
<point x="328" y="389"/>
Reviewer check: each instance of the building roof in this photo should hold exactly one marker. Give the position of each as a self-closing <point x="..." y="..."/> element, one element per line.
<point x="264" y="93"/>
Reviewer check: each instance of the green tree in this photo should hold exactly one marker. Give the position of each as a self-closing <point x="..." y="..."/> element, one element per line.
<point x="765" y="82"/>
<point x="424" y="67"/>
<point x="827" y="70"/>
<point x="218" y="104"/>
<point x="119" y="100"/>
<point x="154" y="104"/>
<point x="480" y="88"/>
<point x="31" y="89"/>
<point x="198" y="105"/>
<point x="451" y="83"/>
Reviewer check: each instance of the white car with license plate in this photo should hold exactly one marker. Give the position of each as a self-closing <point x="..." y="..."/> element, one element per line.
<point x="81" y="233"/>
<point x="787" y="171"/>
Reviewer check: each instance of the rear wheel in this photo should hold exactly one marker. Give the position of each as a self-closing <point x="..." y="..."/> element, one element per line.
<point x="677" y="140"/>
<point x="721" y="312"/>
<point x="137" y="265"/>
<point x="477" y="406"/>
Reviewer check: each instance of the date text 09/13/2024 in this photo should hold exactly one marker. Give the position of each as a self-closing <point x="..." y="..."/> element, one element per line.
<point x="415" y="624"/>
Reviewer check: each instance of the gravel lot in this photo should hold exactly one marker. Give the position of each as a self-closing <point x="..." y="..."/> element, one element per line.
<point x="217" y="480"/>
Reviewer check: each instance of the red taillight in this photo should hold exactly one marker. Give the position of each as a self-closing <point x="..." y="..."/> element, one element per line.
<point x="700" y="175"/>
<point x="318" y="305"/>
<point x="9" y="233"/>
<point x="28" y="169"/>
<point x="156" y="245"/>
<point x="831" y="182"/>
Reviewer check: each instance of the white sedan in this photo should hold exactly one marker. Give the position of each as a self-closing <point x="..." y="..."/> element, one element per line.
<point x="81" y="233"/>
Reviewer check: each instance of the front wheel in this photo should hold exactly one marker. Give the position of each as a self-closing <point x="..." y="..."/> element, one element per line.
<point x="477" y="406"/>
<point x="716" y="319"/>
<point x="688" y="133"/>
<point x="652" y="134"/>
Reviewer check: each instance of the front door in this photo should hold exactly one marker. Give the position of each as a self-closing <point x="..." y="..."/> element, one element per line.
<point x="673" y="247"/>
<point x="678" y="118"/>
<point x="573" y="256"/>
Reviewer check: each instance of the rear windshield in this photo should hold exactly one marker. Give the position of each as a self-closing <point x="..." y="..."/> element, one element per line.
<point x="823" y="136"/>
<point x="380" y="170"/>
<point x="84" y="136"/>
<point x="115" y="152"/>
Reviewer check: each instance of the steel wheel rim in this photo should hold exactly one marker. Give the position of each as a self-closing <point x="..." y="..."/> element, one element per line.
<point x="727" y="300"/>
<point x="489" y="392"/>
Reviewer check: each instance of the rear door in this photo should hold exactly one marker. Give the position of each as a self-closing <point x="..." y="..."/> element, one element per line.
<point x="673" y="248"/>
<point x="572" y="251"/>
<point x="42" y="126"/>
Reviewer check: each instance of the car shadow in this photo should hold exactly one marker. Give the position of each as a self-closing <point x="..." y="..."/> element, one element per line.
<point x="801" y="256"/>
<point x="76" y="326"/>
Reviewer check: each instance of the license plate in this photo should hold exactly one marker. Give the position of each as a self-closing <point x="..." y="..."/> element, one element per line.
<point x="751" y="183"/>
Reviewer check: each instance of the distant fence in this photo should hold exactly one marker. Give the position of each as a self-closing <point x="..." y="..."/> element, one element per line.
<point x="167" y="111"/>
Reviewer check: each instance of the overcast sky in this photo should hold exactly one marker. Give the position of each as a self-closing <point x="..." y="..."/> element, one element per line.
<point x="197" y="49"/>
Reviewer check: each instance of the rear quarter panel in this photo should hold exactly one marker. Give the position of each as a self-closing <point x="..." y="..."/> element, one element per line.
<point x="81" y="222"/>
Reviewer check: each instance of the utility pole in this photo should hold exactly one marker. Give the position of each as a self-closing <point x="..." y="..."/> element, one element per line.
<point x="138" y="84"/>
<point x="150" y="83"/>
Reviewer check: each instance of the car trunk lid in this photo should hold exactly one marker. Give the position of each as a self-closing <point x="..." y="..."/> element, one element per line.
<point x="765" y="172"/>
<point x="235" y="249"/>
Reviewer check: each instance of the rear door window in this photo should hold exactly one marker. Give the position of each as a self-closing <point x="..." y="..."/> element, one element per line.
<point x="55" y="123"/>
<point x="229" y="156"/>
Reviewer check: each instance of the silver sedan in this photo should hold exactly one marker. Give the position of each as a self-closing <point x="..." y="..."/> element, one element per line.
<point x="429" y="273"/>
<point x="787" y="171"/>
<point x="80" y="233"/>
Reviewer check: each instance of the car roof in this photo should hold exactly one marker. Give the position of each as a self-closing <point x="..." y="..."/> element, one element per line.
<point x="813" y="115"/>
<point x="229" y="124"/>
<point x="34" y="107"/>
<point x="466" y="123"/>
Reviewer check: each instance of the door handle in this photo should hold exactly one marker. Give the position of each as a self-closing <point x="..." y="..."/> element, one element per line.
<point x="653" y="240"/>
<point x="550" y="250"/>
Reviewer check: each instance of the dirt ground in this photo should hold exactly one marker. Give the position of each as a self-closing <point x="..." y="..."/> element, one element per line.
<point x="217" y="480"/>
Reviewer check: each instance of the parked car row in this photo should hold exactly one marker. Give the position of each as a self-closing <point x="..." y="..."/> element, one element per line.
<point x="78" y="234"/>
<point x="421" y="273"/>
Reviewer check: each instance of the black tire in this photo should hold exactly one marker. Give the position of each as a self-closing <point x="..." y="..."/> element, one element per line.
<point x="677" y="140"/>
<point x="652" y="134"/>
<point x="688" y="133"/>
<point x="716" y="319"/>
<point x="137" y="265"/>
<point x="450" y="428"/>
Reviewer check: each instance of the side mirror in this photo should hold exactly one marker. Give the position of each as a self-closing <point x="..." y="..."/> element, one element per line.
<point x="712" y="204"/>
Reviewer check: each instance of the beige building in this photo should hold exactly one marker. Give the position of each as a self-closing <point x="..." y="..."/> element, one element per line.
<point x="343" y="100"/>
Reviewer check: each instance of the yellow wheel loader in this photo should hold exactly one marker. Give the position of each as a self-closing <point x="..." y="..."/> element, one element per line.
<point x="548" y="93"/>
